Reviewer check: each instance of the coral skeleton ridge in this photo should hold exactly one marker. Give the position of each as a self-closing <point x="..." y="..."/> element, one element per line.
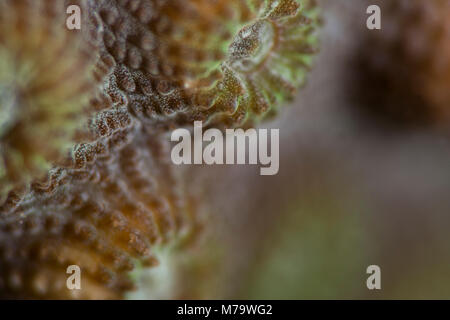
<point x="85" y="172"/>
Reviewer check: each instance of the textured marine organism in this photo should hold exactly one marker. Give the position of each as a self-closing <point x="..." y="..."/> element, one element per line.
<point x="45" y="82"/>
<point x="223" y="62"/>
<point x="106" y="218"/>
<point x="407" y="65"/>
<point x="159" y="64"/>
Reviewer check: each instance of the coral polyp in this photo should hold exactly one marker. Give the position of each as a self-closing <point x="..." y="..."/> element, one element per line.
<point x="45" y="80"/>
<point x="265" y="63"/>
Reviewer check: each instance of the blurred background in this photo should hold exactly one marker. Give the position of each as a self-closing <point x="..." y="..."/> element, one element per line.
<point x="364" y="170"/>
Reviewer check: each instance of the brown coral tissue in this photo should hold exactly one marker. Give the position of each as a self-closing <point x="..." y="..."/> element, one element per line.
<point x="85" y="170"/>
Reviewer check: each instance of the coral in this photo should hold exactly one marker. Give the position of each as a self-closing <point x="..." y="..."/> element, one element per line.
<point x="45" y="82"/>
<point x="224" y="61"/>
<point x="410" y="68"/>
<point x="150" y="66"/>
<point x="103" y="218"/>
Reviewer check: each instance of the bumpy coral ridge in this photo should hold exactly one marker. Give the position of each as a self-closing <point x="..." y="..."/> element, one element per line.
<point x="224" y="61"/>
<point x="103" y="218"/>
